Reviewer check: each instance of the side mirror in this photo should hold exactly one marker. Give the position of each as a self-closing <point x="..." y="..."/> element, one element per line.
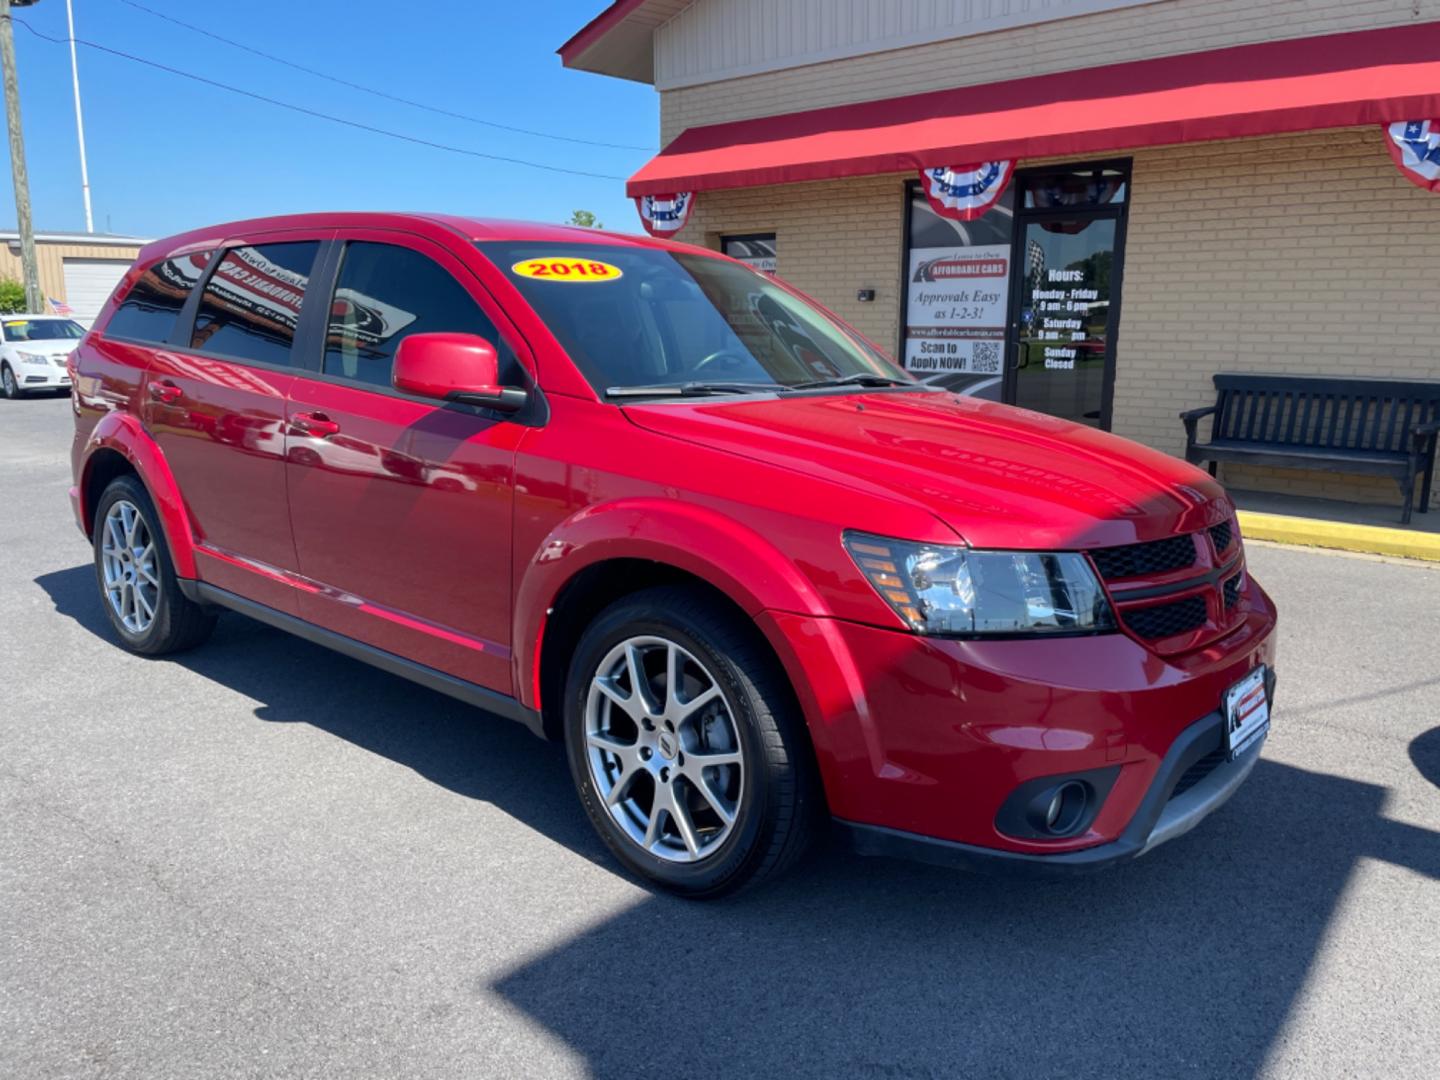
<point x="454" y="367"/>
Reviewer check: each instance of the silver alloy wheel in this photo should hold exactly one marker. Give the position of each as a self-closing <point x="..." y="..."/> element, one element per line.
<point x="11" y="388"/>
<point x="127" y="559"/>
<point x="663" y="749"/>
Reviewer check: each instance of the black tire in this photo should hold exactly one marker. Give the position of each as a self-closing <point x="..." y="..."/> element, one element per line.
<point x="780" y="802"/>
<point x="178" y="623"/>
<point x="9" y="385"/>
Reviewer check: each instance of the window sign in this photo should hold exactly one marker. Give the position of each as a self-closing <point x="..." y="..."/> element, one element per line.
<point x="757" y="251"/>
<point x="957" y="296"/>
<point x="1065" y="295"/>
<point x="1066" y="312"/>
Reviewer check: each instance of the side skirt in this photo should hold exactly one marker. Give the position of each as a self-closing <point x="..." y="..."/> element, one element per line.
<point x="470" y="693"/>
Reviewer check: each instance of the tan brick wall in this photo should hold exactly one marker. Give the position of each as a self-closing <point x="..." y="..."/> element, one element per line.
<point x="1301" y="253"/>
<point x="833" y="239"/>
<point x="1291" y="254"/>
<point x="1108" y="37"/>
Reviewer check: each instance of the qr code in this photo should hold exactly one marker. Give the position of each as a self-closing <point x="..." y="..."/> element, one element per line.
<point x="986" y="357"/>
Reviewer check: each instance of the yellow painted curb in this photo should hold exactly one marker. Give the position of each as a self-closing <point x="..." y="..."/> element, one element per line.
<point x="1371" y="539"/>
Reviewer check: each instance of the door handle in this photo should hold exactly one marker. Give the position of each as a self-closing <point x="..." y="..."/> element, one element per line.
<point x="165" y="392"/>
<point x="317" y="424"/>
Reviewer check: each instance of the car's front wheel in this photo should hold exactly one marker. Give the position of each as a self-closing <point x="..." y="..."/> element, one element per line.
<point x="137" y="581"/>
<point x="8" y="383"/>
<point x="686" y="746"/>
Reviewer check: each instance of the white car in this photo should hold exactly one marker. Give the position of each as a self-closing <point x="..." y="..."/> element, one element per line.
<point x="33" y="351"/>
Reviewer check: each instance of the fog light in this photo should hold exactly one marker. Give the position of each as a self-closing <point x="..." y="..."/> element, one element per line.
<point x="1060" y="810"/>
<point x="1055" y="807"/>
<point x="1052" y="812"/>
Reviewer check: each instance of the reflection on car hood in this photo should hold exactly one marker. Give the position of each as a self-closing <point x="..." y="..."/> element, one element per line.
<point x="998" y="475"/>
<point x="50" y="347"/>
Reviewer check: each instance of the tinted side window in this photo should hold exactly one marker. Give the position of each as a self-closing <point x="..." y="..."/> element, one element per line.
<point x="251" y="303"/>
<point x="385" y="293"/>
<point x="152" y="305"/>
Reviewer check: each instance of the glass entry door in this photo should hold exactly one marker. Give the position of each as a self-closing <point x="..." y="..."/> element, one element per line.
<point x="1063" y="336"/>
<point x="1069" y="245"/>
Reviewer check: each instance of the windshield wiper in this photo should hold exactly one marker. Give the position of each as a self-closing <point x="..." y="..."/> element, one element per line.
<point x="690" y="389"/>
<point x="860" y="378"/>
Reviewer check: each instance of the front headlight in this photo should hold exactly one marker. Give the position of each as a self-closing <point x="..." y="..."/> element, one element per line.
<point x="32" y="358"/>
<point x="957" y="591"/>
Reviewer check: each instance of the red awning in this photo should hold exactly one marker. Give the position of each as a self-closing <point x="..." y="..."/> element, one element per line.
<point x="1368" y="77"/>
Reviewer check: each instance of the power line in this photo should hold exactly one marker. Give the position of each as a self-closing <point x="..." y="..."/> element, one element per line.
<point x="314" y="112"/>
<point x="371" y="90"/>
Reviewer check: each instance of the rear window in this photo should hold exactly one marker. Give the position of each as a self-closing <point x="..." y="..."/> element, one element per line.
<point x="251" y="304"/>
<point x="150" y="309"/>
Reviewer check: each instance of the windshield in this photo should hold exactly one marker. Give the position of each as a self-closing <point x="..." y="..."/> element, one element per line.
<point x="42" y="330"/>
<point x="639" y="318"/>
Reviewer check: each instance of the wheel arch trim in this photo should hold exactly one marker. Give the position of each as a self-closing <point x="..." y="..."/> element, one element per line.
<point x="122" y="433"/>
<point x="716" y="549"/>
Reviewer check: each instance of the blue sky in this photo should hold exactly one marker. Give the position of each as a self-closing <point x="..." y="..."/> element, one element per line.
<point x="167" y="154"/>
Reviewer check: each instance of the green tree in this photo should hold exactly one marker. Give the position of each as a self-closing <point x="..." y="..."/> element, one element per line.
<point x="12" y="296"/>
<point x="586" y="219"/>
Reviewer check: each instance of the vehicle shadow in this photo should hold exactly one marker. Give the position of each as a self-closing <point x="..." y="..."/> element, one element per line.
<point x="449" y="743"/>
<point x="1425" y="754"/>
<point x="1185" y="962"/>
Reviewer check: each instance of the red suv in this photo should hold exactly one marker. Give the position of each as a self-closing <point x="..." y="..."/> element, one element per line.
<point x="663" y="508"/>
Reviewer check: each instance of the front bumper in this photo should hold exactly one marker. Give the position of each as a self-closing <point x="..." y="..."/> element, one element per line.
<point x="34" y="377"/>
<point x="922" y="741"/>
<point x="78" y="510"/>
<point x="1162" y="815"/>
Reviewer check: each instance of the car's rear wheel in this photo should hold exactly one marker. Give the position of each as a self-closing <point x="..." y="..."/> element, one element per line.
<point x="137" y="581"/>
<point x="685" y="744"/>
<point x="9" y="384"/>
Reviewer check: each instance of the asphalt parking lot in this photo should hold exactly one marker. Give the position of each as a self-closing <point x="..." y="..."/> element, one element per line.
<point x="262" y="859"/>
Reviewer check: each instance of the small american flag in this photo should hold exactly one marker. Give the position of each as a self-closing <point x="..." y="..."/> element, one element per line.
<point x="59" y="307"/>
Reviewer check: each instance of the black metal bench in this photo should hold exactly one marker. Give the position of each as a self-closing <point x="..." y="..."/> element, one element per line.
<point x="1380" y="427"/>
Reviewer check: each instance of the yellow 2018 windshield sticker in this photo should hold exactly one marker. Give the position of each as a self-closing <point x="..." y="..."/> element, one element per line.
<point x="568" y="270"/>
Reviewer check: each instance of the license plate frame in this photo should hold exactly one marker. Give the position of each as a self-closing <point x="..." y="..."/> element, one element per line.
<point x="1247" y="712"/>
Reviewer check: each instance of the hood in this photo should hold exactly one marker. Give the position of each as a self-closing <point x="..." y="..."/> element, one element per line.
<point x="46" y="346"/>
<point x="998" y="475"/>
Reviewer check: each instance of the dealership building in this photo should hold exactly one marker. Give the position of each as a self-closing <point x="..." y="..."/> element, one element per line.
<point x="1084" y="207"/>
<point x="77" y="271"/>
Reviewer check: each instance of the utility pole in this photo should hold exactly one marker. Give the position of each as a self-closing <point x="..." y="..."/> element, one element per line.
<point x="34" y="300"/>
<point x="79" y="119"/>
